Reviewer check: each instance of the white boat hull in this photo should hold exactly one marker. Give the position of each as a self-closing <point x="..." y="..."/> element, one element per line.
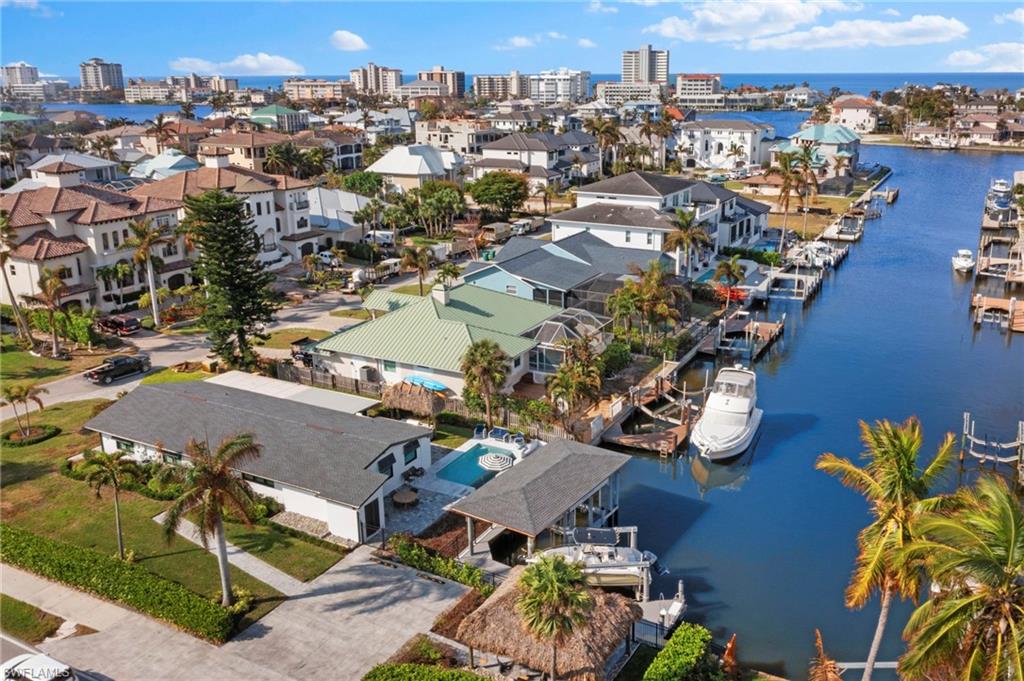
<point x="964" y="266"/>
<point x="728" y="445"/>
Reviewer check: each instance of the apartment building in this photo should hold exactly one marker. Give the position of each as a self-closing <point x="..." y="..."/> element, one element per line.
<point x="420" y="88"/>
<point x="645" y="65"/>
<point x="465" y="136"/>
<point x="19" y="73"/>
<point x="221" y="84"/>
<point x="155" y="91"/>
<point x="97" y="74"/>
<point x="561" y="85"/>
<point x="246" y="149"/>
<point x="376" y="80"/>
<point x="38" y="91"/>
<point x="308" y="89"/>
<point x="280" y="118"/>
<point x="499" y="88"/>
<point x="617" y="94"/>
<point x="455" y="81"/>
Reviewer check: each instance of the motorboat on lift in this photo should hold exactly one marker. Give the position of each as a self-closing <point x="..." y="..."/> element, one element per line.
<point x="999" y="199"/>
<point x="963" y="261"/>
<point x="604" y="562"/>
<point x="730" y="418"/>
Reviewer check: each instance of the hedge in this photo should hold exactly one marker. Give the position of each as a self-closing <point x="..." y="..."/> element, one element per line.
<point x="419" y="557"/>
<point x="417" y="672"/>
<point x="48" y="431"/>
<point x="116" y="580"/>
<point x="685" y="650"/>
<point x="616" y="357"/>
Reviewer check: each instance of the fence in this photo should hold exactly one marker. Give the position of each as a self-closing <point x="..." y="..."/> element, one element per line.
<point x="652" y="633"/>
<point x="508" y="419"/>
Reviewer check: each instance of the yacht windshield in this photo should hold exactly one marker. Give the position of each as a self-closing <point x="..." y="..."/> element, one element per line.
<point x="732" y="387"/>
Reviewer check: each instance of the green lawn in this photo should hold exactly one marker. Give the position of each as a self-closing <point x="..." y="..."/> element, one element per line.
<point x="283" y="339"/>
<point x="38" y="498"/>
<point x="18" y="366"/>
<point x="171" y="376"/>
<point x="351" y="313"/>
<point x="412" y="289"/>
<point x="25" y="621"/>
<point x="447" y="435"/>
<point x="193" y="328"/>
<point x="697" y="309"/>
<point x="298" y="558"/>
<point x="638" y="664"/>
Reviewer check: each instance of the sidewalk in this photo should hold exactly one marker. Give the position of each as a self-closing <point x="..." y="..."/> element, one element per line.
<point x="74" y="606"/>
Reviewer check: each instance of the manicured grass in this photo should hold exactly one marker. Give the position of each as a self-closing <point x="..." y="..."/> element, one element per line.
<point x="447" y="435"/>
<point x="298" y="558"/>
<point x="171" y="376"/>
<point x="194" y="328"/>
<point x="699" y="310"/>
<point x="18" y="366"/>
<point x="351" y="313"/>
<point x="39" y="499"/>
<point x="638" y="664"/>
<point x="283" y="338"/>
<point x="412" y="289"/>
<point x="25" y="621"/>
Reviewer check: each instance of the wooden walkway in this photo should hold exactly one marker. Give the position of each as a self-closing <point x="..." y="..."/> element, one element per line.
<point x="1006" y="312"/>
<point x="745" y="335"/>
<point x="662" y="441"/>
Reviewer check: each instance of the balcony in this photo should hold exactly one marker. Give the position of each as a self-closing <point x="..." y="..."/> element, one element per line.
<point x="302" y="205"/>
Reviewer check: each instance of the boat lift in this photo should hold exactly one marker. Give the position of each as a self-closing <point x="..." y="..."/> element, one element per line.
<point x="992" y="451"/>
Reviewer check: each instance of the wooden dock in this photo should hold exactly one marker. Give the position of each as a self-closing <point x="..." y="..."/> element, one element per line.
<point x="665" y="442"/>
<point x="1008" y="313"/>
<point x="742" y="335"/>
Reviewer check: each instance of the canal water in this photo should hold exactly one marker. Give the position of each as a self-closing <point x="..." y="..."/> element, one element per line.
<point x="766" y="546"/>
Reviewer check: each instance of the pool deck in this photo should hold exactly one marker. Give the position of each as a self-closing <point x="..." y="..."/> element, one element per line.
<point x="431" y="481"/>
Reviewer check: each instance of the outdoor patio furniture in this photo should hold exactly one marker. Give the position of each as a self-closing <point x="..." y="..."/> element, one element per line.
<point x="479" y="431"/>
<point x="498" y="434"/>
<point x="404" y="497"/>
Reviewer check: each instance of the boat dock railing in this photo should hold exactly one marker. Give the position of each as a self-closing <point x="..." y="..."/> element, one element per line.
<point x="989" y="450"/>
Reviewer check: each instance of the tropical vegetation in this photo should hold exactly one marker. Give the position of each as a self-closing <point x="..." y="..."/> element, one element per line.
<point x="111" y="469"/>
<point x="485" y="369"/>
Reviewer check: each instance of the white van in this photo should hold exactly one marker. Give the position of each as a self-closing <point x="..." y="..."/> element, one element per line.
<point x="381" y="237"/>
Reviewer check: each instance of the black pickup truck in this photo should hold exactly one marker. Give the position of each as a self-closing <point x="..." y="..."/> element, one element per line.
<point x="117" y="366"/>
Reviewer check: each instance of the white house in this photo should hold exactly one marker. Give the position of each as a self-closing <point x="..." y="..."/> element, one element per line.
<point x="547" y="159"/>
<point x="724" y="143"/>
<point x="331" y="210"/>
<point x="856" y="113"/>
<point x="326" y="464"/>
<point x="406" y="167"/>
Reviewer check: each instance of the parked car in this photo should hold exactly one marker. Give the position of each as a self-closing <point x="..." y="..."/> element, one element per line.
<point x="327" y="259"/>
<point x="118" y="366"/>
<point x="522" y="227"/>
<point x="382" y="237"/>
<point x="36" y="666"/>
<point x="119" y="324"/>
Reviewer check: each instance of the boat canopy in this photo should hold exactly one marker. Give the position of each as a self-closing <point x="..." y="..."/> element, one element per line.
<point x="603" y="536"/>
<point x="734" y="383"/>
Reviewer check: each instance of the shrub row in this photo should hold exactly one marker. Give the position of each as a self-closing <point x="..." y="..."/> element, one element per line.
<point x="681" y="656"/>
<point x="110" y="578"/>
<point x="291" y="532"/>
<point x="616" y="357"/>
<point x="166" y="493"/>
<point x="762" y="257"/>
<point x="47" y="431"/>
<point x="417" y="672"/>
<point x="419" y="557"/>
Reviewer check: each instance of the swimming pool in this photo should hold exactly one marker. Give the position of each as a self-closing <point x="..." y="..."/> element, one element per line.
<point x="465" y="469"/>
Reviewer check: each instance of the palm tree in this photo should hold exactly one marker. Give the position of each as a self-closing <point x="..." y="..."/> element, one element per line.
<point x="732" y="272"/>
<point x="686" y="236"/>
<point x="576" y="379"/>
<point x="974" y="621"/>
<point x="823" y="667"/>
<point x="103" y="146"/>
<point x="447" y="274"/>
<point x="187" y="110"/>
<point x="839" y="164"/>
<point x="485" y="368"/>
<point x="122" y="271"/>
<point x="144" y="238"/>
<point x="546" y="192"/>
<point x="897" y="491"/>
<point x="314" y="161"/>
<point x="309" y="264"/>
<point x="210" y="488"/>
<point x="21" y="394"/>
<point x="52" y="290"/>
<point x="277" y="159"/>
<point x="11" y="147"/>
<point x="220" y="101"/>
<point x="553" y="600"/>
<point x="363" y="217"/>
<point x="9" y="242"/>
<point x="624" y="304"/>
<point x="791" y="182"/>
<point x="339" y="254"/>
<point x="114" y="469"/>
<point x="417" y="258"/>
<point x="607" y="133"/>
<point x="161" y="129"/>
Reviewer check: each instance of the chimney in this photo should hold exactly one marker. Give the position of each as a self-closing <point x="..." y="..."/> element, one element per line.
<point x="440" y="294"/>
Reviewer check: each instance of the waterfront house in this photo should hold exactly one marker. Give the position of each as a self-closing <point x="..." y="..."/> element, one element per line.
<point x="323" y="463"/>
<point x="724" y="143"/>
<point x="406" y="167"/>
<point x="246" y="148"/>
<point x="278" y="204"/>
<point x="802" y="97"/>
<point x="828" y="141"/>
<point x="74" y="227"/>
<point x="859" y="114"/>
<point x="731" y="220"/>
<point x="428" y="336"/>
<point x="980" y="128"/>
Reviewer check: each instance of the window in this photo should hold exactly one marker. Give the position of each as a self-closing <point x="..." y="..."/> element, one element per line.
<point x="516" y="362"/>
<point x="387" y="465"/>
<point x="124" y="233"/>
<point x="650" y="238"/>
<point x="64" y="272"/>
<point x="629" y="235"/>
<point x="511" y="290"/>
<point x="116" y="238"/>
<point x="389" y="365"/>
<point x="106" y="242"/>
<point x="171" y="458"/>
<point x="124" y="446"/>
<point x="171" y="249"/>
<point x="257" y="479"/>
<point x="411" y="450"/>
<point x="277" y="224"/>
<point x="12" y="269"/>
<point x="259" y="208"/>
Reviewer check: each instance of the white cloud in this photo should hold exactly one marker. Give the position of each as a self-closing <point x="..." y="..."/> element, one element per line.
<point x="645" y="3"/>
<point x="1016" y="16"/>
<point x="347" y="41"/>
<point x="20" y="4"/>
<point x="555" y="35"/>
<point x="44" y="11"/>
<point x="586" y="42"/>
<point x="259" y="64"/>
<point x="737" y="20"/>
<point x="516" y="42"/>
<point x="1003" y="57"/>
<point x="918" y="30"/>
<point x="892" y="12"/>
<point x="598" y="6"/>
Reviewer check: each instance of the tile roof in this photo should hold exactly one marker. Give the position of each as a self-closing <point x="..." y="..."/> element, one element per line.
<point x="59" y="167"/>
<point x="532" y="495"/>
<point x="90" y="204"/>
<point x="232" y="179"/>
<point x="638" y="183"/>
<point x="44" y="246"/>
<point x="246" y="138"/>
<point x="325" y="451"/>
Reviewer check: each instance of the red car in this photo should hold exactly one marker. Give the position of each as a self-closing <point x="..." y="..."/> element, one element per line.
<point x="119" y="324"/>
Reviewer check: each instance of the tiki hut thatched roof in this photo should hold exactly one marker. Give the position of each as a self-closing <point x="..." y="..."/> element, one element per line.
<point x="413" y="398"/>
<point x="497" y="628"/>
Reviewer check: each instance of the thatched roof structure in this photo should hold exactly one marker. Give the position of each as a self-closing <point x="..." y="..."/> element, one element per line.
<point x="413" y="398"/>
<point x="497" y="628"/>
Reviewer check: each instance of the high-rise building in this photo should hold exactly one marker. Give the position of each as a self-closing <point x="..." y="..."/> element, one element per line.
<point x="376" y="80"/>
<point x="455" y="80"/>
<point x="563" y="85"/>
<point x="19" y="73"/>
<point x="500" y="88"/>
<point x="308" y="89"/>
<point x="97" y="74"/>
<point x="222" y="84"/>
<point x="645" y="65"/>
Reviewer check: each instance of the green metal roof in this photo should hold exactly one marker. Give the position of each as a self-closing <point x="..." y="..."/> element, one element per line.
<point x="425" y="332"/>
<point x="273" y="110"/>
<point x="826" y="133"/>
<point x="12" y="117"/>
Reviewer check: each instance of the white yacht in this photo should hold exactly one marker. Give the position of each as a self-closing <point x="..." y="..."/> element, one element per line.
<point x="963" y="261"/>
<point x="730" y="418"/>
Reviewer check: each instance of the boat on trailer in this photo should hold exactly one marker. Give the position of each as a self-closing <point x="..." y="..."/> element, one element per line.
<point x="730" y="418"/>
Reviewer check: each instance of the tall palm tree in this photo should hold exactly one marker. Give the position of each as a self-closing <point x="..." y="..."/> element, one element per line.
<point x="417" y="258"/>
<point x="123" y="271"/>
<point x="546" y="192"/>
<point x="624" y="304"/>
<point x="52" y="290"/>
<point x="211" y="487"/>
<point x="823" y="667"/>
<point x="447" y="274"/>
<point x="161" y="129"/>
<point x="576" y="380"/>
<point x="22" y="394"/>
<point x="111" y="469"/>
<point x="839" y="164"/>
<point x="9" y="242"/>
<point x="685" y="237"/>
<point x="732" y="272"/>
<point x="607" y="133"/>
<point x="973" y="620"/>
<point x="144" y="238"/>
<point x="103" y="146"/>
<point x="785" y="170"/>
<point x="553" y="600"/>
<point x="314" y="161"/>
<point x="485" y="368"/>
<point x="187" y="110"/>
<point x="898" y="493"/>
<point x="11" y="146"/>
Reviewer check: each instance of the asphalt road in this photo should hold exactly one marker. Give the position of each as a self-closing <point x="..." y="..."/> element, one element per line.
<point x="12" y="647"/>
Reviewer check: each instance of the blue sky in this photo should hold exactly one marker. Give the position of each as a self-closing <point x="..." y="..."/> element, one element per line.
<point x="279" y="38"/>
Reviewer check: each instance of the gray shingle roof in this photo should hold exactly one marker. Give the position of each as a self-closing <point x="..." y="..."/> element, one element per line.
<point x="532" y="495"/>
<point x="638" y="183"/>
<point x="617" y="214"/>
<point x="322" y="450"/>
<point x="709" y="192"/>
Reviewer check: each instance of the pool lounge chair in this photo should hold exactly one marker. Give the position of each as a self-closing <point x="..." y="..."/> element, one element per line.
<point x="498" y="434"/>
<point x="479" y="431"/>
